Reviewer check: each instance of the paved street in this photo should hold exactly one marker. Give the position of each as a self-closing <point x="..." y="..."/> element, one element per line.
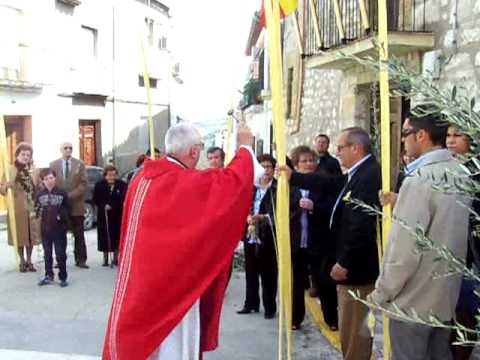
<point x="68" y="324"/>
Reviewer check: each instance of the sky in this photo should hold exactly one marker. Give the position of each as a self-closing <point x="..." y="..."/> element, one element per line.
<point x="209" y="43"/>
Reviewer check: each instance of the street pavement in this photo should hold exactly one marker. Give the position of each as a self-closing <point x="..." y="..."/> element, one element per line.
<point x="53" y="323"/>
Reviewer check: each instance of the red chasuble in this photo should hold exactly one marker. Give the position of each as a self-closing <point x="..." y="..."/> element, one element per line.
<point x="179" y="231"/>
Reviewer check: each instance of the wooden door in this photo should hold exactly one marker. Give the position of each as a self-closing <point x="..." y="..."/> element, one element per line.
<point x="88" y="145"/>
<point x="18" y="129"/>
<point x="396" y="122"/>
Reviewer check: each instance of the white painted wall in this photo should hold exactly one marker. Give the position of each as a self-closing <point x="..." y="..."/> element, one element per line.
<point x="51" y="36"/>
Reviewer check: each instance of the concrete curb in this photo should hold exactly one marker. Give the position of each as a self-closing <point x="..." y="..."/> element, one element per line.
<point x="315" y="311"/>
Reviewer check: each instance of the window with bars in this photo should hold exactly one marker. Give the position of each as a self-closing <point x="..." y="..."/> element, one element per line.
<point x="153" y="82"/>
<point x="162" y="43"/>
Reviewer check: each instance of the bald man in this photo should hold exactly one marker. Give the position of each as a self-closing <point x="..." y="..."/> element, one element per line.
<point x="72" y="178"/>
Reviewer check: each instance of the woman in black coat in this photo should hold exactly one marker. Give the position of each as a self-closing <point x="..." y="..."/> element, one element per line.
<point x="109" y="195"/>
<point x="304" y="209"/>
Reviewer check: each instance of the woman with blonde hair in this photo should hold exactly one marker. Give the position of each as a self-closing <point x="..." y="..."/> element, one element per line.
<point x="23" y="184"/>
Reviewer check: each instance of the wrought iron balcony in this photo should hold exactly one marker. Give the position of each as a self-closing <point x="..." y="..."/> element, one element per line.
<point x="331" y="24"/>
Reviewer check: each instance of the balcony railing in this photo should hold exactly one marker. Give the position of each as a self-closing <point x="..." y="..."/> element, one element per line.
<point x="330" y="24"/>
<point x="22" y="68"/>
<point x="156" y="5"/>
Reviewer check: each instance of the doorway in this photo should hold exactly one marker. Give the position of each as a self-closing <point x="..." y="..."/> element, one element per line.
<point x="90" y="145"/>
<point x="399" y="108"/>
<point x="18" y="129"/>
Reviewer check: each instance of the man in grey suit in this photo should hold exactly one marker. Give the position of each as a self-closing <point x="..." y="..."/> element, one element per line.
<point x="412" y="279"/>
<point x="72" y="178"/>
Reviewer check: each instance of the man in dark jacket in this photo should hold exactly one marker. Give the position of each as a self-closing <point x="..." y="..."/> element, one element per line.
<point x="354" y="232"/>
<point x="322" y="251"/>
<point x="259" y="245"/>
<point x="327" y="164"/>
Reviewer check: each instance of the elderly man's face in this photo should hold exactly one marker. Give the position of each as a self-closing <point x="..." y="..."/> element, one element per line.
<point x="196" y="150"/>
<point x="215" y="160"/>
<point x="66" y="150"/>
<point x="345" y="151"/>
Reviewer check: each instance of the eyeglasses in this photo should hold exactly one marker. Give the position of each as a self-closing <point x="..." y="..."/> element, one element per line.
<point x="341" y="147"/>
<point x="408" y="132"/>
<point x="67" y="148"/>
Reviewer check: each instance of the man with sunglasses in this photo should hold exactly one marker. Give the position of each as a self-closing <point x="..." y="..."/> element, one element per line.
<point x="415" y="280"/>
<point x="72" y="178"/>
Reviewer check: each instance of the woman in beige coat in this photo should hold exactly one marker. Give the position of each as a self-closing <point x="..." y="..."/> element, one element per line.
<point x="23" y="184"/>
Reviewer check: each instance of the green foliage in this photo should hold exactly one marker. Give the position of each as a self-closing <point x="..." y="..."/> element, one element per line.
<point x="458" y="107"/>
<point x="251" y="92"/>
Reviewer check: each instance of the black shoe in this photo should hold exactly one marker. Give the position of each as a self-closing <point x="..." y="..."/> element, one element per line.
<point x="269" y="315"/>
<point x="83" y="266"/>
<point x="45" y="281"/>
<point x="30" y="267"/>
<point x="247" y="310"/>
<point x="63" y="283"/>
<point x="105" y="264"/>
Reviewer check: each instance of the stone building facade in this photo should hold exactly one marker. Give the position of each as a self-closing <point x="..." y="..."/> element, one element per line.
<point x="336" y="94"/>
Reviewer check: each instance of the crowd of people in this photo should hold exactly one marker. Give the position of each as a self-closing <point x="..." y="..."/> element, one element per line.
<point x="334" y="242"/>
<point x="51" y="201"/>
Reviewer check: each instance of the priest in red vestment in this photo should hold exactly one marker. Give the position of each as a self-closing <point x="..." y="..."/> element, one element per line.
<point x="179" y="231"/>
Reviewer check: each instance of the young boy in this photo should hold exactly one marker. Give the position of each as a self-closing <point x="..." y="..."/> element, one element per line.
<point x="52" y="208"/>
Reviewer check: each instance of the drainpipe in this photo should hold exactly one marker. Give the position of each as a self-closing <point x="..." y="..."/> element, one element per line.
<point x="113" y="87"/>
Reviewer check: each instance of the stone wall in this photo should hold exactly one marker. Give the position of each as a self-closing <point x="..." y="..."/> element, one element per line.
<point x="459" y="45"/>
<point x="320" y="106"/>
<point x="333" y="100"/>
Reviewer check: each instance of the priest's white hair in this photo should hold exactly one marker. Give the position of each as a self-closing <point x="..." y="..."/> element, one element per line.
<point x="181" y="137"/>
